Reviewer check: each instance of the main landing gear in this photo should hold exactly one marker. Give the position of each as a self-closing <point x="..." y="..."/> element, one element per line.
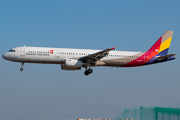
<point x="89" y="71"/>
<point x="21" y="69"/>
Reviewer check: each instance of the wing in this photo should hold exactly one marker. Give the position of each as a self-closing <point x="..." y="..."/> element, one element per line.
<point x="93" y="58"/>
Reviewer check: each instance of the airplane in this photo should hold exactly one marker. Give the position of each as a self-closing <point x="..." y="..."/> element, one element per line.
<point x="75" y="59"/>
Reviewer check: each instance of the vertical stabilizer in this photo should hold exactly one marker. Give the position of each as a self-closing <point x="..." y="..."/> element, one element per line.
<point x="162" y="45"/>
<point x="165" y="43"/>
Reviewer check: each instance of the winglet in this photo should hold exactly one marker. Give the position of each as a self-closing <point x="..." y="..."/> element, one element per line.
<point x="113" y="48"/>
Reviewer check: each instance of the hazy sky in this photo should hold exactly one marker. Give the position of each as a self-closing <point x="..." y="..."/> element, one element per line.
<point x="46" y="90"/>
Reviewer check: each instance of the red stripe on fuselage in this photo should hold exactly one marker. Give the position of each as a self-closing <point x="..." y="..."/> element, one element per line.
<point x="146" y="56"/>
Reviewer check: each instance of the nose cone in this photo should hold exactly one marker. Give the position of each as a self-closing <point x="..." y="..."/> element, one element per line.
<point x="4" y="56"/>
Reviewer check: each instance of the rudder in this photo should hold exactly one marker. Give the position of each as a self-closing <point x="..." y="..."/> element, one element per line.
<point x="165" y="43"/>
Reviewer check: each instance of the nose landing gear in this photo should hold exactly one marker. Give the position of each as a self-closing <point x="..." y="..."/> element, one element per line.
<point x="21" y="69"/>
<point x="89" y="71"/>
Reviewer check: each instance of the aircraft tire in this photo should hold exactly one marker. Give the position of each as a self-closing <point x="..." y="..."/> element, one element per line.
<point x="21" y="69"/>
<point x="86" y="72"/>
<point x="90" y="71"/>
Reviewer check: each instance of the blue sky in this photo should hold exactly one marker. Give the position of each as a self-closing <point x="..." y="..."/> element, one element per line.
<point x="46" y="90"/>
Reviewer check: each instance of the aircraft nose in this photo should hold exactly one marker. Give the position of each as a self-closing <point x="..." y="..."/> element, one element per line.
<point x="4" y="56"/>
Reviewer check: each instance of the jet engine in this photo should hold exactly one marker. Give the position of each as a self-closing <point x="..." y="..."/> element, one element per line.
<point x="72" y="64"/>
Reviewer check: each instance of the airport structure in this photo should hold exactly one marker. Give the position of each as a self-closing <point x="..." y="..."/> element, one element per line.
<point x="150" y="113"/>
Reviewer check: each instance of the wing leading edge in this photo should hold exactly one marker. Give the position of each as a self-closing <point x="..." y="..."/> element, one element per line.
<point x="92" y="58"/>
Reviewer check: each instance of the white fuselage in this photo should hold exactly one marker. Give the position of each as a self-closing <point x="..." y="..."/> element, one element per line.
<point x="59" y="55"/>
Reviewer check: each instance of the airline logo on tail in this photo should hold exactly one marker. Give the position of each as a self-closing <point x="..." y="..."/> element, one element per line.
<point x="157" y="51"/>
<point x="161" y="47"/>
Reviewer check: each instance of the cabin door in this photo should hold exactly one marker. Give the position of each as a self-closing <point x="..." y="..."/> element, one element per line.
<point x="57" y="53"/>
<point x="22" y="51"/>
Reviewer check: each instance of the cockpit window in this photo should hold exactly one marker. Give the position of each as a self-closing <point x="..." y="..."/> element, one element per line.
<point x="11" y="50"/>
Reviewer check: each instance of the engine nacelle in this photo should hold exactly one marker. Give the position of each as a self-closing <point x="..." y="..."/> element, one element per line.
<point x="64" y="67"/>
<point x="73" y="63"/>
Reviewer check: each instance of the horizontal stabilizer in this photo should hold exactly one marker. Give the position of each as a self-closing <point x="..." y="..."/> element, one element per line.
<point x="166" y="56"/>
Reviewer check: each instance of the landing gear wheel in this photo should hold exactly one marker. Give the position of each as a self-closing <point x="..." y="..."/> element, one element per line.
<point x="21" y="69"/>
<point x="90" y="70"/>
<point x="22" y="64"/>
<point x="86" y="72"/>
